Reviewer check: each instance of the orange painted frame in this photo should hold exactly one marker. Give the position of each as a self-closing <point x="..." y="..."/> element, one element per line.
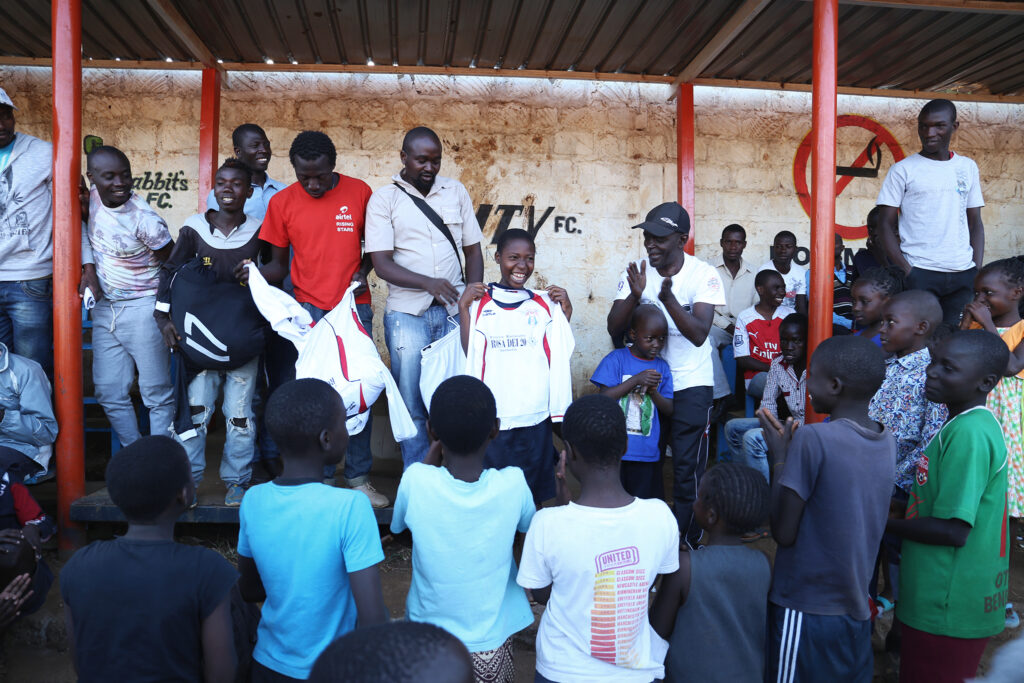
<point x="685" y="135"/>
<point x="823" y="175"/>
<point x="67" y="264"/>
<point x="209" y="127"/>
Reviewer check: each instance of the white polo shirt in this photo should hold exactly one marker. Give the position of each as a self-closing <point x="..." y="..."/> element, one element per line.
<point x="696" y="282"/>
<point x="394" y="223"/>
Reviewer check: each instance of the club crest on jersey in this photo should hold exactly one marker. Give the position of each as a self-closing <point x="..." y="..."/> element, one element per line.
<point x="922" y="471"/>
<point x="531" y="318"/>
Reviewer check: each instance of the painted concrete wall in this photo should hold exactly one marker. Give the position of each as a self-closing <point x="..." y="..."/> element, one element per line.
<point x="579" y="161"/>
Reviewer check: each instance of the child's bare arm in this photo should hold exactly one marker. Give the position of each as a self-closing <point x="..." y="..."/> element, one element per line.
<point x="644" y="378"/>
<point x="664" y="404"/>
<point x="250" y="584"/>
<point x="675" y="588"/>
<point x="541" y="595"/>
<point x="369" y="597"/>
<point x="473" y="291"/>
<point x="1016" y="363"/>
<point x="219" y="644"/>
<point x="787" y="508"/>
<point x="931" y="530"/>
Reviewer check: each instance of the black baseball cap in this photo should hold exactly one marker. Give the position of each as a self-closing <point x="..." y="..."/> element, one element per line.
<point x="665" y="219"/>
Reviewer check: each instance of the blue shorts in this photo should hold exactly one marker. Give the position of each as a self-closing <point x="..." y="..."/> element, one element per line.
<point x="810" y="648"/>
<point x="531" y="449"/>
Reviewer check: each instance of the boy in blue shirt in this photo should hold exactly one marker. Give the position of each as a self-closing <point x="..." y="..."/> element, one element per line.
<point x="641" y="382"/>
<point x="464" y="519"/>
<point x="308" y="551"/>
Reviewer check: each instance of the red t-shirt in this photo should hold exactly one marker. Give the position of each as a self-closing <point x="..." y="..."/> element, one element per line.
<point x="326" y="237"/>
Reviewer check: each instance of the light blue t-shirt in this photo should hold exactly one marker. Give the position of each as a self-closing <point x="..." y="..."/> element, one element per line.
<point x="256" y="205"/>
<point x="463" y="572"/>
<point x="305" y="540"/>
<point x="5" y="155"/>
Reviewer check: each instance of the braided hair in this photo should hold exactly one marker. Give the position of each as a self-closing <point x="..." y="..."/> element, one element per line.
<point x="739" y="494"/>
<point x="887" y="280"/>
<point x="1010" y="268"/>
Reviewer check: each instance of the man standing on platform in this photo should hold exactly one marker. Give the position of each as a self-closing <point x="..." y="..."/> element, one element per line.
<point x="321" y="219"/>
<point x="252" y="148"/>
<point x="737" y="276"/>
<point x="26" y="241"/>
<point x="930" y="214"/>
<point x="418" y="230"/>
<point x="687" y="290"/>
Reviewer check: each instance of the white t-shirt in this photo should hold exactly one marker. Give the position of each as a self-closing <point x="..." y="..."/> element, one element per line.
<point x="696" y="282"/>
<point x="795" y="279"/>
<point x="933" y="198"/>
<point x="600" y="564"/>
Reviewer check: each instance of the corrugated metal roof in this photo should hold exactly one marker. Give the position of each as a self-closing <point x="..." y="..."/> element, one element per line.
<point x="880" y="46"/>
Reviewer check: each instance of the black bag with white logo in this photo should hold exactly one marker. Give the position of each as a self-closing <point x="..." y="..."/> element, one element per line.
<point x="219" y="325"/>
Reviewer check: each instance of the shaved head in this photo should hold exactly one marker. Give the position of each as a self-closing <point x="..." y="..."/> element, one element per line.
<point x="105" y="152"/>
<point x="416" y="134"/>
<point x="924" y="306"/>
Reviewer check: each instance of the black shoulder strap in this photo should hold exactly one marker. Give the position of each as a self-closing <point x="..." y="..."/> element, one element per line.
<point x="436" y="220"/>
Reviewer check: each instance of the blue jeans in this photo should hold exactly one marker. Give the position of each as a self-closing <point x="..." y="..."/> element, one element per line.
<point x="746" y="443"/>
<point x="26" y="320"/>
<point x="406" y="335"/>
<point x="358" y="457"/>
<point x="125" y="338"/>
<point x="240" y="441"/>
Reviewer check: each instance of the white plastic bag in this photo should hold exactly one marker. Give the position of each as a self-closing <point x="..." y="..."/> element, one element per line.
<point x="441" y="360"/>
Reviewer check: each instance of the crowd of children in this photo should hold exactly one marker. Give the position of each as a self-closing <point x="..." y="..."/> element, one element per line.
<point x="913" y="482"/>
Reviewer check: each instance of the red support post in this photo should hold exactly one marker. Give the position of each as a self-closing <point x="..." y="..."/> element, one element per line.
<point x="209" y="126"/>
<point x="66" y="21"/>
<point x="685" y="134"/>
<point x="823" y="175"/>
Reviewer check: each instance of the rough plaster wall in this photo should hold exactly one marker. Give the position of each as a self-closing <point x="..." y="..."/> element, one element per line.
<point x="598" y="153"/>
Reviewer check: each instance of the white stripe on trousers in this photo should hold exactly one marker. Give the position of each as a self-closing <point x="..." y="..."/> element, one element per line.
<point x="789" y="645"/>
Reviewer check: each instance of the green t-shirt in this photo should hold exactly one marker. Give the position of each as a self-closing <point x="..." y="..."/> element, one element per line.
<point x="959" y="592"/>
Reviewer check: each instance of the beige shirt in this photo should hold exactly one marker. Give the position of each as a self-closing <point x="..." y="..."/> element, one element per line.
<point x="394" y="223"/>
<point x="739" y="291"/>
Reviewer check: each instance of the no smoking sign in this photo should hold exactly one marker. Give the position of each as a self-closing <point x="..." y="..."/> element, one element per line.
<point x="866" y="165"/>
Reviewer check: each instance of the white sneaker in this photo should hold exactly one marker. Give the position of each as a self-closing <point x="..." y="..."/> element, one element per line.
<point x="377" y="500"/>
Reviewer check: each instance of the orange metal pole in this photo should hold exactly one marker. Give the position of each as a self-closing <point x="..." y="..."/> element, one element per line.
<point x="823" y="174"/>
<point x="209" y="126"/>
<point x="685" y="133"/>
<point x="67" y="264"/>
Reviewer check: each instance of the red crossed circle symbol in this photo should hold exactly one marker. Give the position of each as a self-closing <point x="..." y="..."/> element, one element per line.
<point x="803" y="155"/>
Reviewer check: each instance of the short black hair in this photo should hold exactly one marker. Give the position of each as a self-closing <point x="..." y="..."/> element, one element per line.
<point x="854" y="360"/>
<point x="762" y="277"/>
<point x="734" y="227"/>
<point x="417" y="133"/>
<point x="144" y="477"/>
<point x="397" y="652"/>
<point x="310" y="145"/>
<point x="105" y="150"/>
<point x="1010" y="268"/>
<point x="739" y="494"/>
<point x="236" y="165"/>
<point x="514" y="234"/>
<point x="988" y="351"/>
<point x="797" y="319"/>
<point x="237" y="133"/>
<point x="462" y="414"/>
<point x="887" y="280"/>
<point x="872" y="219"/>
<point x="922" y="303"/>
<point x="299" y="410"/>
<point x="782" y="234"/>
<point x="937" y="106"/>
<point x="596" y="428"/>
<point x="645" y="312"/>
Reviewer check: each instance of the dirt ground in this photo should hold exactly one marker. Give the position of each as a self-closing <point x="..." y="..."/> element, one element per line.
<point x="35" y="649"/>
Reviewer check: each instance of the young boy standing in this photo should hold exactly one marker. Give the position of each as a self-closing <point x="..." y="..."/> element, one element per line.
<point x="464" y="520"/>
<point x="309" y="552"/>
<point x="594" y="561"/>
<point x="783" y="251"/>
<point x="641" y="382"/>
<point x="955" y="569"/>
<point x="830" y="497"/>
<point x="142" y="607"/>
<point x="123" y="246"/>
<point x="225" y="240"/>
<point x="756" y="343"/>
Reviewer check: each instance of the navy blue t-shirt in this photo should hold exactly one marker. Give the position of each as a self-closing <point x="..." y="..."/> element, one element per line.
<point x="642" y="421"/>
<point x="138" y="608"/>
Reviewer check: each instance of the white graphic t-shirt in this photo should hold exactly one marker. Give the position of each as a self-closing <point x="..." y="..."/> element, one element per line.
<point x="600" y="563"/>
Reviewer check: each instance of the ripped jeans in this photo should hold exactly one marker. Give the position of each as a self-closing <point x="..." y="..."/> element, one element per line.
<point x="240" y="443"/>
